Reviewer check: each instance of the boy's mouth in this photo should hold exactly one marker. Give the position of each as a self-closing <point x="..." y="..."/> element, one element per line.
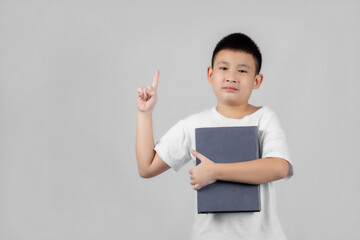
<point x="230" y="89"/>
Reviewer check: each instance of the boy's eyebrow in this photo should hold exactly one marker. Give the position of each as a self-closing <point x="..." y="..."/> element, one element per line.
<point x="242" y="64"/>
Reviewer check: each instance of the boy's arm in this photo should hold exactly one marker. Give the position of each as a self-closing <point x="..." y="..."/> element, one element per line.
<point x="149" y="162"/>
<point x="257" y="171"/>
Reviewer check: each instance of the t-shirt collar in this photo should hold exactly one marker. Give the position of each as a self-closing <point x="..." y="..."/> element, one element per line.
<point x="219" y="115"/>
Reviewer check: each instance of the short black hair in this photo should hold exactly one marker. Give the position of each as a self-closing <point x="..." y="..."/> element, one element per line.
<point x="239" y="42"/>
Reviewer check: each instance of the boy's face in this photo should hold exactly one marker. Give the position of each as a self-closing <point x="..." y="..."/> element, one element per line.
<point x="233" y="77"/>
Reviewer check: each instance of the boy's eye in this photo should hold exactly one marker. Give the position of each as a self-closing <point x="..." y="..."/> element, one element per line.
<point x="223" y="68"/>
<point x="243" y="71"/>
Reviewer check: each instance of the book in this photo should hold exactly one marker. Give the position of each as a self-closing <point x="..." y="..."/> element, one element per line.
<point x="228" y="145"/>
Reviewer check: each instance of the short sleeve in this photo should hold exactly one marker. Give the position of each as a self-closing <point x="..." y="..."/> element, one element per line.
<point x="273" y="142"/>
<point x="174" y="146"/>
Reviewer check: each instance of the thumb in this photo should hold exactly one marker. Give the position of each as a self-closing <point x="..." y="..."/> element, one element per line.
<point x="198" y="155"/>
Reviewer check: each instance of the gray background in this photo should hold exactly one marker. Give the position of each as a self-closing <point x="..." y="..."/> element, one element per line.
<point x="69" y="71"/>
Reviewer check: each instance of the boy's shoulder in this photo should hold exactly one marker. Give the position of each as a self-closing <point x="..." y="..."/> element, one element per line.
<point x="267" y="111"/>
<point x="266" y="115"/>
<point x="269" y="119"/>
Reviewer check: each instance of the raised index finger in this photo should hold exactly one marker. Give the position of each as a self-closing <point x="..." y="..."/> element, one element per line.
<point x="156" y="79"/>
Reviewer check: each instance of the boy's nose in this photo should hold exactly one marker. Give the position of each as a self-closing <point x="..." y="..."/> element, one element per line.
<point x="231" y="81"/>
<point x="231" y="77"/>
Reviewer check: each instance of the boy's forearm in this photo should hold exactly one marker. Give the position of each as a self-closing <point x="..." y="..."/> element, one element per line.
<point x="144" y="141"/>
<point x="258" y="171"/>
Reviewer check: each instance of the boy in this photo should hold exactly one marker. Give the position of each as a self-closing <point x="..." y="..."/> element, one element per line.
<point x="233" y="74"/>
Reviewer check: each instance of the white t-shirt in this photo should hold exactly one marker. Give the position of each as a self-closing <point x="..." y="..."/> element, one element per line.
<point x="175" y="149"/>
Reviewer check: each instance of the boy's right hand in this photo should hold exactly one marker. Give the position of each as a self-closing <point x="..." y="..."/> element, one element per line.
<point x="146" y="97"/>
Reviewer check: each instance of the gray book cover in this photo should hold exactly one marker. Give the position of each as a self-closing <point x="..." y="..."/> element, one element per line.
<point x="228" y="145"/>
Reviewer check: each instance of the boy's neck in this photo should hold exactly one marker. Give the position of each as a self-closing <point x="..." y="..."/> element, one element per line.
<point x="237" y="112"/>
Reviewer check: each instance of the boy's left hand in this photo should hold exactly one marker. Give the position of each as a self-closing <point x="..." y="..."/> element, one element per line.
<point x="204" y="173"/>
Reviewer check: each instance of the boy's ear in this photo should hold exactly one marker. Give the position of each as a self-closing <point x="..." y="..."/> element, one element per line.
<point x="209" y="74"/>
<point x="258" y="80"/>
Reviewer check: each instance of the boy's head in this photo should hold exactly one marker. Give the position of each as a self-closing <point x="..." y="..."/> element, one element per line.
<point x="242" y="43"/>
<point x="234" y="70"/>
